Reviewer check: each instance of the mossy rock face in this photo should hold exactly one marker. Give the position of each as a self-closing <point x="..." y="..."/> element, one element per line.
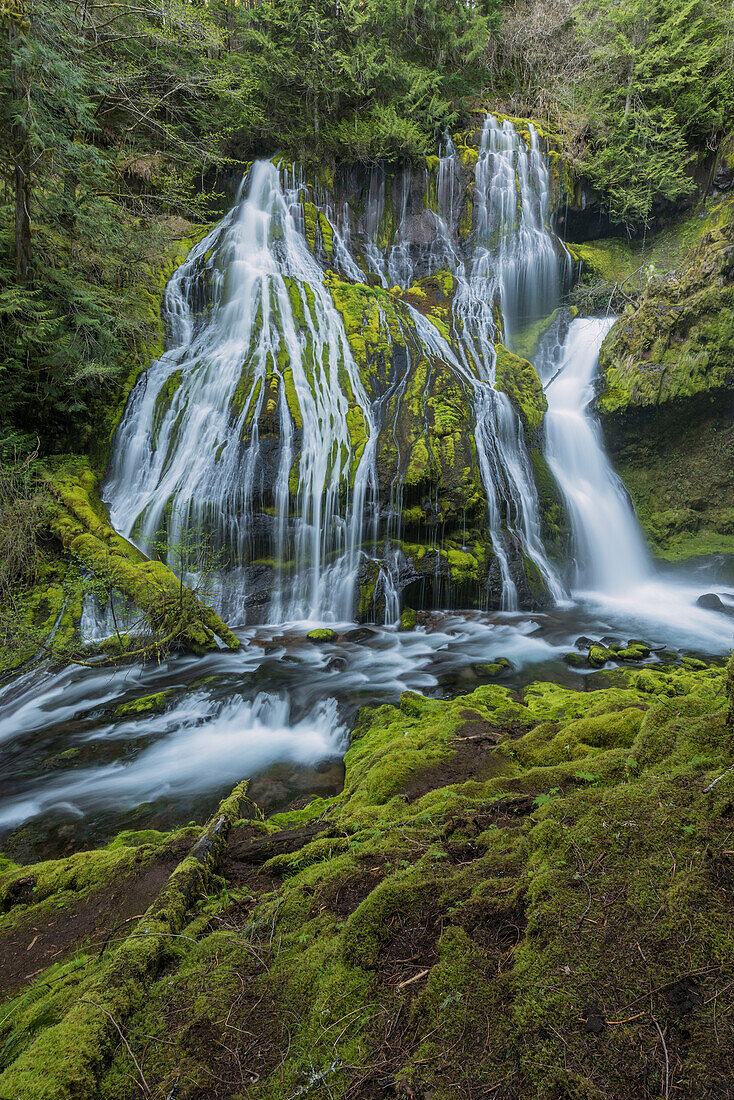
<point x="144" y="704"/>
<point x="462" y="877"/>
<point x="322" y="635"/>
<point x="519" y="380"/>
<point x="667" y="370"/>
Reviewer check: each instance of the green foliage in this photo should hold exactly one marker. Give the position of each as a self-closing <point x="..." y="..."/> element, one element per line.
<point x="361" y="80"/>
<point x="660" y="87"/>
<point x="111" y="114"/>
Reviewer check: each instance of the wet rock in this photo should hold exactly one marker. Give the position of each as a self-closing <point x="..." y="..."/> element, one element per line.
<point x="336" y="664"/>
<point x="575" y="660"/>
<point x="493" y="668"/>
<point x="361" y="634"/>
<point x="631" y="652"/>
<point x="642" y="645"/>
<point x="599" y="656"/>
<point x="584" y="643"/>
<point x="322" y="635"/>
<point x="711" y="602"/>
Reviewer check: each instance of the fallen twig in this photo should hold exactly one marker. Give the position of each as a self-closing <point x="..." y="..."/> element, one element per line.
<point x="409" y="981"/>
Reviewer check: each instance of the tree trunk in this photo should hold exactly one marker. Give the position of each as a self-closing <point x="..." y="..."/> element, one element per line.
<point x="21" y="164"/>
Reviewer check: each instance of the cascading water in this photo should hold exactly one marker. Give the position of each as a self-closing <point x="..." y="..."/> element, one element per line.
<point x="610" y="552"/>
<point x="255" y="339"/>
<point x="259" y="430"/>
<point x="518" y="266"/>
<point x="189" y="460"/>
<point x="613" y="572"/>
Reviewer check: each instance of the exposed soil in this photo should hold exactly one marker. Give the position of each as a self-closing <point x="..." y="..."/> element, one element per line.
<point x="344" y="896"/>
<point x="39" y="940"/>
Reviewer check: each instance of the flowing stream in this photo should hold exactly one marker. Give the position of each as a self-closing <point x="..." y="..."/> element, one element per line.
<point x="254" y="338"/>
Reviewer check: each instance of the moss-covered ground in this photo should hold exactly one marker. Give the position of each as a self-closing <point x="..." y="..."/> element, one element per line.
<point x="514" y="896"/>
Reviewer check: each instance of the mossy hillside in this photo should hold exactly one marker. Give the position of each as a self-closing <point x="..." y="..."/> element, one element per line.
<point x="512" y="891"/>
<point x="633" y="262"/>
<point x="667" y="374"/>
<point x="29" y="895"/>
<point x="77" y="1027"/>
<point x="83" y="530"/>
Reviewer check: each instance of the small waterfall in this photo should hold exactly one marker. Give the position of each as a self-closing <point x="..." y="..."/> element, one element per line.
<point x="610" y="552"/>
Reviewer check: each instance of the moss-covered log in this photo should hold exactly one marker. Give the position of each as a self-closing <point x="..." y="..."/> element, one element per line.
<point x="65" y="1060"/>
<point x="83" y="530"/>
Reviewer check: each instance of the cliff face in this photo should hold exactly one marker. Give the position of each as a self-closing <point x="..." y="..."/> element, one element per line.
<point x="667" y="399"/>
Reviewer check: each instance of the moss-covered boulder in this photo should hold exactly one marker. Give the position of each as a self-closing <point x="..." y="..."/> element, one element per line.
<point x="322" y="635"/>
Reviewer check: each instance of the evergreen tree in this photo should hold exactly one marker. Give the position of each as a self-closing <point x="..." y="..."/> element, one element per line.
<point x="661" y="86"/>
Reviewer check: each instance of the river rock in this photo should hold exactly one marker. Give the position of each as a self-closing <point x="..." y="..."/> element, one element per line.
<point x="711" y="602"/>
<point x="322" y="635"/>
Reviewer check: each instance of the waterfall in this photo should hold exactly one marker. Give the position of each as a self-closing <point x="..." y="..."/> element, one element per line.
<point x="614" y="575"/>
<point x="188" y="460"/>
<point x="251" y="443"/>
<point x="610" y="552"/>
<point x="517" y="265"/>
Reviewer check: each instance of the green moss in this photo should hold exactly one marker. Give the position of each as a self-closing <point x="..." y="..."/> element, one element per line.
<point x="599" y="656"/>
<point x="84" y="531"/>
<point x="518" y="379"/>
<point x="322" y="634"/>
<point x="408" y="619"/>
<point x="311" y="220"/>
<point x="327" y="235"/>
<point x="496" y="865"/>
<point x="144" y="704"/>
<point x="667" y="374"/>
<point x="525" y="341"/>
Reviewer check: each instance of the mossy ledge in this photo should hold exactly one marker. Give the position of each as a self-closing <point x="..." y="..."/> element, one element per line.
<point x="515" y="895"/>
<point x="80" y="524"/>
